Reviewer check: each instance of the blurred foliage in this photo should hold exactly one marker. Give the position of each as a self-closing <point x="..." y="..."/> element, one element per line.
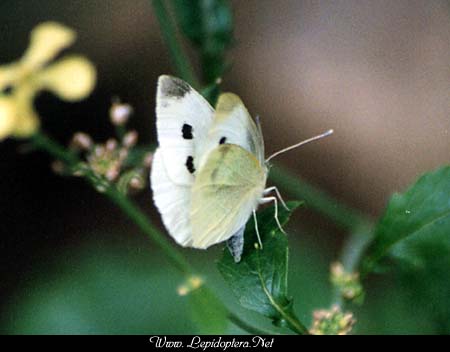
<point x="99" y="289"/>
<point x="112" y="286"/>
<point x="208" y="24"/>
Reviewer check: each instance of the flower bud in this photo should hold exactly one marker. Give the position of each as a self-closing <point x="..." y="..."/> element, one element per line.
<point x="112" y="173"/>
<point x="148" y="159"/>
<point x="111" y="145"/>
<point x="81" y="140"/>
<point x="130" y="139"/>
<point x="347" y="283"/>
<point x="120" y="113"/>
<point x="137" y="183"/>
<point x="332" y="322"/>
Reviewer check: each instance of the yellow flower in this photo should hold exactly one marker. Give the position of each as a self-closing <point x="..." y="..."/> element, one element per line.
<point x="71" y="78"/>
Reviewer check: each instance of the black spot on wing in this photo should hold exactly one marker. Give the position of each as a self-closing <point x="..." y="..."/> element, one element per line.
<point x="174" y="87"/>
<point x="190" y="164"/>
<point x="187" y="131"/>
<point x="223" y="140"/>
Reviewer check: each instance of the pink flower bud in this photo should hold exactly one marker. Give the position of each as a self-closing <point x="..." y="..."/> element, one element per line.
<point x="130" y="139"/>
<point x="120" y="113"/>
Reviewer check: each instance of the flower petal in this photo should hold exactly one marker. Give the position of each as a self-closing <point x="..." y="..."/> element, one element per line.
<point x="9" y="74"/>
<point x="72" y="78"/>
<point x="47" y="40"/>
<point x="7" y="116"/>
<point x="27" y="121"/>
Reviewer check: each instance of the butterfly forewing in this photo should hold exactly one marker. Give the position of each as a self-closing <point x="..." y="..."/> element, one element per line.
<point x="225" y="192"/>
<point x="233" y="124"/>
<point x="184" y="118"/>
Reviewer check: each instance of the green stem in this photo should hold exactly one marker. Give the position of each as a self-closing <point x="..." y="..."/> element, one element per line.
<point x="42" y="141"/>
<point x="135" y="214"/>
<point x="351" y="254"/>
<point x="318" y="200"/>
<point x="45" y="143"/>
<point x="168" y="30"/>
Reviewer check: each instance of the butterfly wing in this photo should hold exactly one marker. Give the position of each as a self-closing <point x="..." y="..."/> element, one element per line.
<point x="184" y="118"/>
<point x="173" y="201"/>
<point x="225" y="192"/>
<point x="233" y="124"/>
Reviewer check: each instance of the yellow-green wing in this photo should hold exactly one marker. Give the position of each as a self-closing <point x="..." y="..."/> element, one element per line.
<point x="225" y="192"/>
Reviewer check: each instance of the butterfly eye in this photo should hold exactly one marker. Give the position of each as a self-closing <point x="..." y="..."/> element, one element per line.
<point x="223" y="140"/>
<point x="190" y="164"/>
<point x="187" y="131"/>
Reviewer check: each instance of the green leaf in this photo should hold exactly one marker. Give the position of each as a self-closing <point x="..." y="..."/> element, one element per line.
<point x="208" y="24"/>
<point x="415" y="232"/>
<point x="417" y="219"/>
<point x="207" y="312"/>
<point x="259" y="280"/>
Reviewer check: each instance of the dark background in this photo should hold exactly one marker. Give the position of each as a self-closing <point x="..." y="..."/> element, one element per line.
<point x="376" y="72"/>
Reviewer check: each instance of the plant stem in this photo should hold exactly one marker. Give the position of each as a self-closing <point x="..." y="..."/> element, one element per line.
<point x="351" y="254"/>
<point x="168" y="30"/>
<point x="42" y="141"/>
<point x="45" y="143"/>
<point x="345" y="217"/>
<point x="136" y="215"/>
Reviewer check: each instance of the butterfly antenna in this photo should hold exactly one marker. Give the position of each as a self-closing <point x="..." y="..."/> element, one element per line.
<point x="320" y="136"/>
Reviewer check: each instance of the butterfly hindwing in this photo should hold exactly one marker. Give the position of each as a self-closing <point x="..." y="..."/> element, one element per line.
<point x="225" y="192"/>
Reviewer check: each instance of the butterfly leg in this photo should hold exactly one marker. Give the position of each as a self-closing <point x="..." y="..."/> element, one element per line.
<point x="275" y="200"/>
<point x="274" y="188"/>
<point x="256" y="229"/>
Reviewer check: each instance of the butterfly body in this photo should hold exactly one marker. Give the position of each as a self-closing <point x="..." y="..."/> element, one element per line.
<point x="208" y="174"/>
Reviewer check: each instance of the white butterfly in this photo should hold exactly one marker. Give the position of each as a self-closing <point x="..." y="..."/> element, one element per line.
<point x="209" y="173"/>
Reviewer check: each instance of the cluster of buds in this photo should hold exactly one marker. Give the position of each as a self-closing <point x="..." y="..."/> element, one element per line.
<point x="112" y="161"/>
<point x="332" y="322"/>
<point x="347" y="283"/>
